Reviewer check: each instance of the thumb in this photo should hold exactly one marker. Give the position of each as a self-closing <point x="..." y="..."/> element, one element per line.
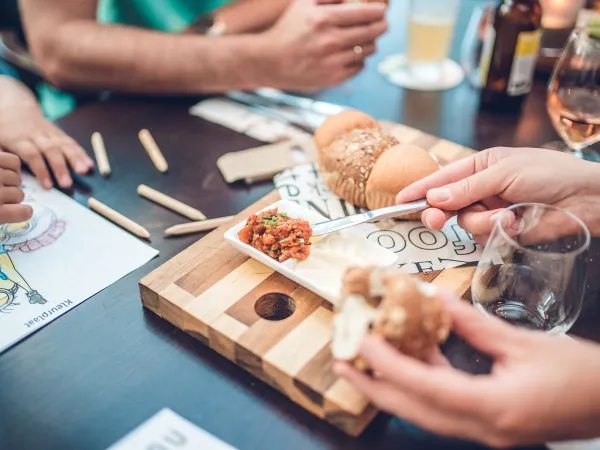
<point x="487" y="334"/>
<point x="469" y="190"/>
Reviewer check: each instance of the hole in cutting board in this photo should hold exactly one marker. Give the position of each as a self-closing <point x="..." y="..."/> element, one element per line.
<point x="275" y="306"/>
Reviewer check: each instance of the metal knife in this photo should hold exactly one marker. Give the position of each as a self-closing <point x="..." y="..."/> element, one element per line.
<point x="332" y="226"/>
<point x="319" y="107"/>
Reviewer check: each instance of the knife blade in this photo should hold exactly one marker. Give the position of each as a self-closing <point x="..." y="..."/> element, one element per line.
<point x="317" y="106"/>
<point x="332" y="226"/>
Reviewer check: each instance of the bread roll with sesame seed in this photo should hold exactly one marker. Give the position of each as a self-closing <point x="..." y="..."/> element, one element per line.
<point x="350" y="146"/>
<point x="341" y="123"/>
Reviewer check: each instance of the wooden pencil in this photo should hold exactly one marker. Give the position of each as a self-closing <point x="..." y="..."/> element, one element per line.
<point x="100" y="154"/>
<point x="118" y="218"/>
<point x="197" y="227"/>
<point x="170" y="203"/>
<point x="153" y="151"/>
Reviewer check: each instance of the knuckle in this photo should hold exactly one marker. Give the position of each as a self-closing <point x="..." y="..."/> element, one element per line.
<point x="328" y="45"/>
<point x="319" y="20"/>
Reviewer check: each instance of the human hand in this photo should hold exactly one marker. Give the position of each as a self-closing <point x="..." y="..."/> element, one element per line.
<point x="25" y="132"/>
<point x="11" y="195"/>
<point x="313" y="44"/>
<point x="479" y="187"/>
<point x="541" y="388"/>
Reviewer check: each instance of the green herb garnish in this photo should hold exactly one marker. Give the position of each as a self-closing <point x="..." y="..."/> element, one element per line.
<point x="282" y="215"/>
<point x="283" y="241"/>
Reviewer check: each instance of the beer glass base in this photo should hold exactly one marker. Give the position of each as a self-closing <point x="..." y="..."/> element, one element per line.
<point x="439" y="76"/>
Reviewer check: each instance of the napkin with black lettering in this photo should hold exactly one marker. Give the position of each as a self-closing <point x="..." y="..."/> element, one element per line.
<point x="418" y="248"/>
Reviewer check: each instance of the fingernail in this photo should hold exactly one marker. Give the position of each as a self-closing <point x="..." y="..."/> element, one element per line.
<point x="505" y="219"/>
<point x="65" y="181"/>
<point x="82" y="167"/>
<point x="47" y="184"/>
<point x="439" y="195"/>
<point x="426" y="222"/>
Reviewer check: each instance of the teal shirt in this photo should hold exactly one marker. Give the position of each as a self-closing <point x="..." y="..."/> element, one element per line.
<point x="170" y="16"/>
<point x="163" y="15"/>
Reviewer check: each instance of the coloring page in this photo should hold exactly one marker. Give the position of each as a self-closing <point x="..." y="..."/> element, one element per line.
<point x="60" y="257"/>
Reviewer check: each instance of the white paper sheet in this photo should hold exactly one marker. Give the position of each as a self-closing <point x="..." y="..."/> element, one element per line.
<point x="167" y="430"/>
<point x="58" y="259"/>
<point x="418" y="248"/>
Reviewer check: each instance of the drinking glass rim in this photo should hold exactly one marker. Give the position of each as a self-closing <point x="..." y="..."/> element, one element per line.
<point x="576" y="252"/>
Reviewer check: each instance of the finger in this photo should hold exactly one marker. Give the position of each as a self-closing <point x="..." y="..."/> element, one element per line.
<point x="477" y="219"/>
<point x="10" y="178"/>
<point x="435" y="219"/>
<point x="411" y="408"/>
<point x="437" y="358"/>
<point x="352" y="14"/>
<point x="442" y="386"/>
<point x="76" y="156"/>
<point x="348" y="72"/>
<point x="449" y="174"/>
<point x="488" y="334"/>
<point x="58" y="164"/>
<point x="468" y="190"/>
<point x="11" y="195"/>
<point x="15" y="213"/>
<point x="350" y="57"/>
<point x="10" y="162"/>
<point x="495" y="203"/>
<point x="33" y="158"/>
<point x="362" y="34"/>
<point x="481" y="239"/>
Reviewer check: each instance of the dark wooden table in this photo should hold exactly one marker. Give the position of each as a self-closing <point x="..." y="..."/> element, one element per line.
<point x="91" y="376"/>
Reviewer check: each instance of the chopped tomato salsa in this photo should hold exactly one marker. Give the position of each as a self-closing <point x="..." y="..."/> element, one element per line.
<point x="277" y="235"/>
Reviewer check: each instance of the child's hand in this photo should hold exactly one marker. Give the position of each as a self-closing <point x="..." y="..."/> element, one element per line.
<point x="11" y="194"/>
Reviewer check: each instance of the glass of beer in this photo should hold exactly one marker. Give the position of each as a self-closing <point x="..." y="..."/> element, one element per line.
<point x="425" y="65"/>
<point x="574" y="95"/>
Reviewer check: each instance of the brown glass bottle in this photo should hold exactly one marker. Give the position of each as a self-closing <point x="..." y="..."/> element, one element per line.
<point x="510" y="52"/>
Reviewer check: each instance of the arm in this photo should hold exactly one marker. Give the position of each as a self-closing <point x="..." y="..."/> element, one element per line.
<point x="309" y="47"/>
<point x="74" y="50"/>
<point x="25" y="132"/>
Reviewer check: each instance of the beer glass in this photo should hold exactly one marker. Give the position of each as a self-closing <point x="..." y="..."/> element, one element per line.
<point x="533" y="273"/>
<point x="425" y="65"/>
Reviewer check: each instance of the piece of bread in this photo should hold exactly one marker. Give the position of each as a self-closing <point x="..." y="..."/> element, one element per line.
<point x="390" y="304"/>
<point x="397" y="168"/>
<point x="341" y="123"/>
<point x="350" y="146"/>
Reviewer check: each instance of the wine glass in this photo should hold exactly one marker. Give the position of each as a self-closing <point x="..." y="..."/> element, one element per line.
<point x="532" y="274"/>
<point x="574" y="96"/>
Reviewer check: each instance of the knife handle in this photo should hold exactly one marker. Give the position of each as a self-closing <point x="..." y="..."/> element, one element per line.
<point x="399" y="210"/>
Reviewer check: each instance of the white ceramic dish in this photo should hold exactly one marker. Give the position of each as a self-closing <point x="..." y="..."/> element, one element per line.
<point x="322" y="271"/>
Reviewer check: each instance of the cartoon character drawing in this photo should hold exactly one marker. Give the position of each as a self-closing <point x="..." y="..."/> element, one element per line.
<point x="41" y="230"/>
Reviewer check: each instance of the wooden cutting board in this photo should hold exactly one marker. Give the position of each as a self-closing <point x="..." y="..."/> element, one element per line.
<point x="213" y="292"/>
